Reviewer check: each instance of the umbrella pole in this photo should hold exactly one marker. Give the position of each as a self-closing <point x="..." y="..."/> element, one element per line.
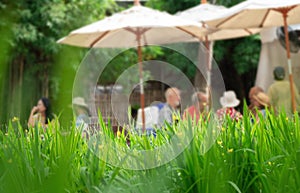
<point x="208" y="65"/>
<point x="289" y="61"/>
<point x="142" y="95"/>
<point x="137" y="2"/>
<point x="208" y="71"/>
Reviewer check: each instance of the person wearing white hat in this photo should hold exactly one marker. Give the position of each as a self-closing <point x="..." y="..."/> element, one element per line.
<point x="229" y="102"/>
<point x="82" y="114"/>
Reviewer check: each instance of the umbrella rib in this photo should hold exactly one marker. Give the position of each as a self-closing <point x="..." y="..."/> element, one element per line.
<point x="248" y="31"/>
<point x="264" y="19"/>
<point x="99" y="38"/>
<point x="135" y="32"/>
<point x="186" y="31"/>
<point x="285" y="9"/>
<point x="138" y="32"/>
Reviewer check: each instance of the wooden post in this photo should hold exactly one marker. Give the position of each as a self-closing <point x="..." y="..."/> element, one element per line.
<point x="142" y="94"/>
<point x="284" y="13"/>
<point x="137" y="2"/>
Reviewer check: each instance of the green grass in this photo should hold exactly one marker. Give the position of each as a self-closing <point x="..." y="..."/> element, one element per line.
<point x="247" y="156"/>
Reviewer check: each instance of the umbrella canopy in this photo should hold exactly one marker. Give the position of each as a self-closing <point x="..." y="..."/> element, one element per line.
<point x="257" y="13"/>
<point x="203" y="12"/>
<point x="267" y="13"/>
<point x="121" y="29"/>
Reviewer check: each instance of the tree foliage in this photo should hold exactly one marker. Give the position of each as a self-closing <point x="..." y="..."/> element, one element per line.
<point x="33" y="27"/>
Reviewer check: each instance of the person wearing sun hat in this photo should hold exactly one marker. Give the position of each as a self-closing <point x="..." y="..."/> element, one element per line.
<point x="253" y="91"/>
<point x="229" y="102"/>
<point x="262" y="102"/>
<point x="82" y="114"/>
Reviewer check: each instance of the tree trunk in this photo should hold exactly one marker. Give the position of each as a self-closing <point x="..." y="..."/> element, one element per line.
<point x="46" y="82"/>
<point x="21" y="73"/>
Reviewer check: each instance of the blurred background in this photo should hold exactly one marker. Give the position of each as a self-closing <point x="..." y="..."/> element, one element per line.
<point x="33" y="65"/>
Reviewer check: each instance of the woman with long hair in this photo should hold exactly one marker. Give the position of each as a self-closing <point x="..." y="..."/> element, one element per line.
<point x="41" y="114"/>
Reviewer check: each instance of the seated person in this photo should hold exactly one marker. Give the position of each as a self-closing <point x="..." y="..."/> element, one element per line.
<point x="158" y="104"/>
<point x="151" y="118"/>
<point x="229" y="102"/>
<point x="253" y="91"/>
<point x="169" y="111"/>
<point x="82" y="114"/>
<point x="262" y="102"/>
<point x="41" y="114"/>
<point x="199" y="100"/>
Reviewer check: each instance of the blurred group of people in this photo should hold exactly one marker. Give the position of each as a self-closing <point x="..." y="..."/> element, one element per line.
<point x="199" y="109"/>
<point x="277" y="98"/>
<point x="170" y="112"/>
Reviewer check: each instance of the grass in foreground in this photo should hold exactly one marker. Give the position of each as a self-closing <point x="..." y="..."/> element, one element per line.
<point x="247" y="156"/>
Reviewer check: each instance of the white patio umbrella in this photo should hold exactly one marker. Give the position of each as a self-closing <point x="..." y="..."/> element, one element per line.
<point x="205" y="11"/>
<point x="136" y="26"/>
<point x="266" y="13"/>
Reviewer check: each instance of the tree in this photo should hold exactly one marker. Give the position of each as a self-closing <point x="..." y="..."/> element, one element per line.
<point x="31" y="31"/>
